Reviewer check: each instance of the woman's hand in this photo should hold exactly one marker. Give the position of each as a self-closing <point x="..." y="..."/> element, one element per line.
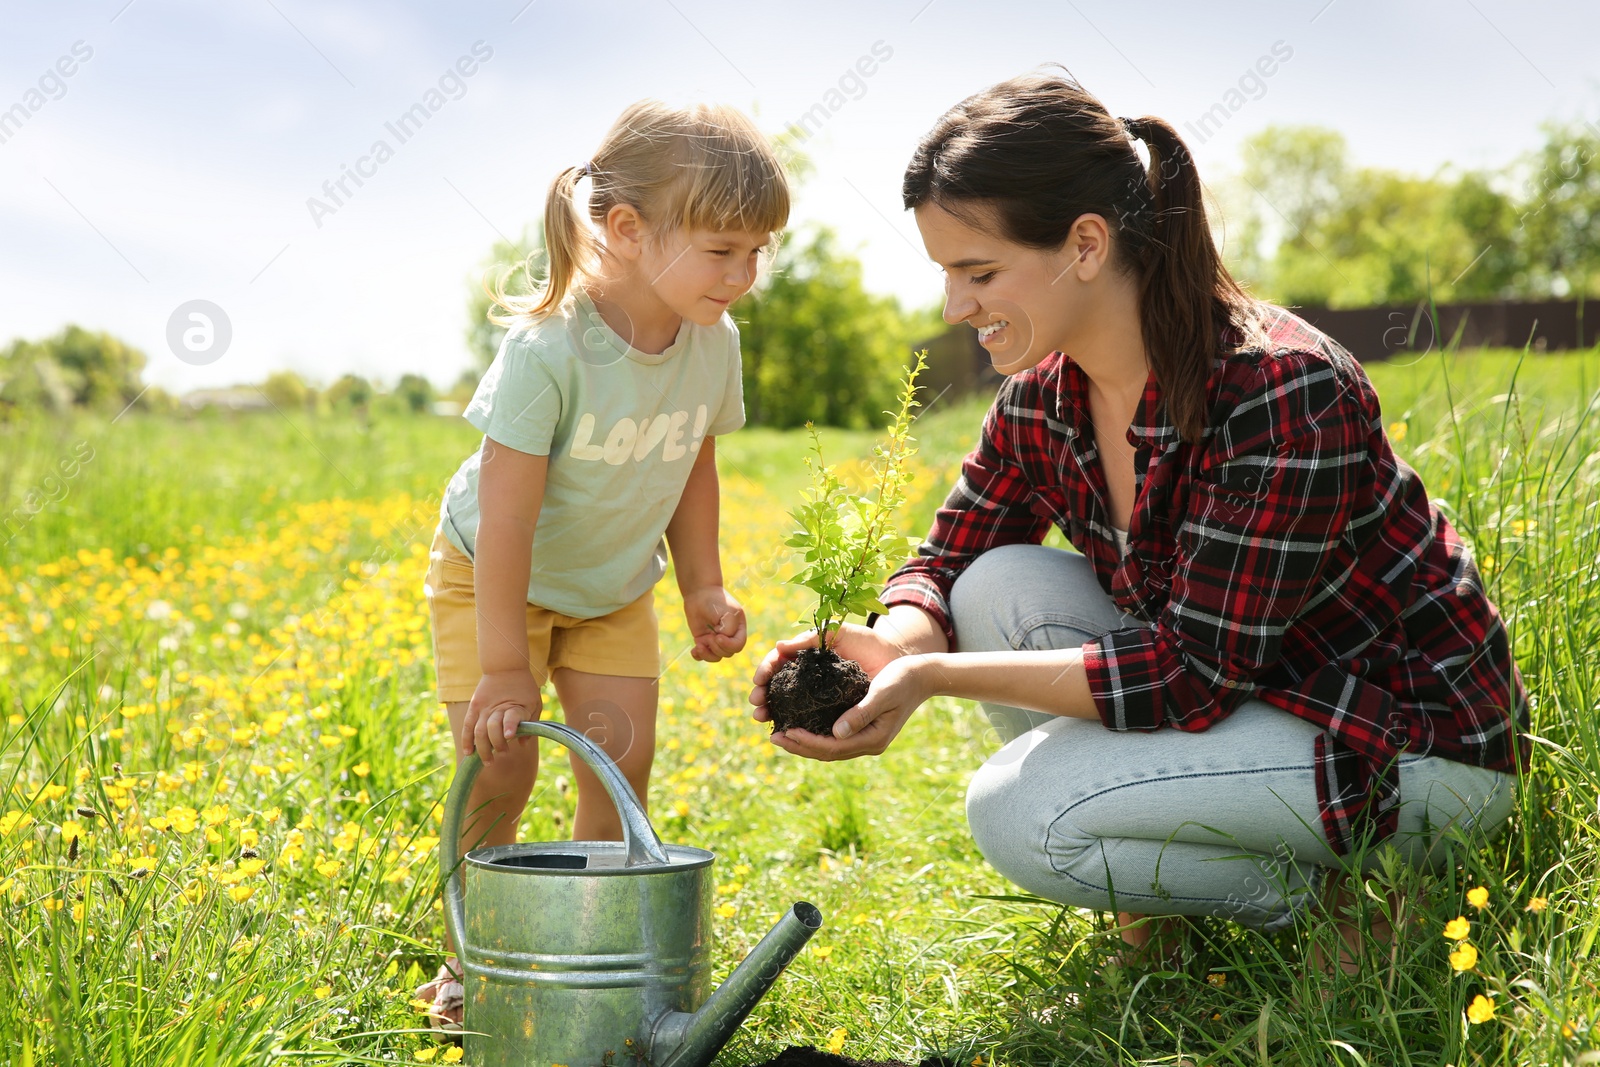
<point x="502" y="700"/>
<point x="716" y="622"/>
<point x="899" y="688"/>
<point x="867" y="647"/>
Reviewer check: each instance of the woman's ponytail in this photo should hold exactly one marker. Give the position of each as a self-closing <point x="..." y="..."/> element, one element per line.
<point x="1187" y="296"/>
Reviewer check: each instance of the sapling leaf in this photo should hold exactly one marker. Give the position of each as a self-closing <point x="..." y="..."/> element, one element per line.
<point x="849" y="537"/>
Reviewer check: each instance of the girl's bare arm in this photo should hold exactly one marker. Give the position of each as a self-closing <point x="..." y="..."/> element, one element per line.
<point x="510" y="493"/>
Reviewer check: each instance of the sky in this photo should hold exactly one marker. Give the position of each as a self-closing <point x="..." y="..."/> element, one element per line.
<point x="185" y="155"/>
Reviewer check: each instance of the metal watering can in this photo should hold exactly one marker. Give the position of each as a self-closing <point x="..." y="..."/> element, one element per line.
<point x="578" y="952"/>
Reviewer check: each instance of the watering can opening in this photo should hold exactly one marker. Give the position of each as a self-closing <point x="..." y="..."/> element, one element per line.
<point x="546" y="861"/>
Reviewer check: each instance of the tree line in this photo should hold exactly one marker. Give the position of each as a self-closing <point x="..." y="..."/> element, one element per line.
<point x="1301" y="224"/>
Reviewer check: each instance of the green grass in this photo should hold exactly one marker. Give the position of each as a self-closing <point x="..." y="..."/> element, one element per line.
<point x="257" y="566"/>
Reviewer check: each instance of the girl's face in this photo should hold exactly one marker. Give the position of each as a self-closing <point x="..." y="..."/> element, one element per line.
<point x="1024" y="302"/>
<point x="698" y="273"/>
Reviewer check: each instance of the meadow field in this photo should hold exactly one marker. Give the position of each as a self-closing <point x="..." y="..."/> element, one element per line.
<point x="221" y="768"/>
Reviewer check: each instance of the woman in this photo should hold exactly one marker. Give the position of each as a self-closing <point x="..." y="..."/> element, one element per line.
<point x="1273" y="650"/>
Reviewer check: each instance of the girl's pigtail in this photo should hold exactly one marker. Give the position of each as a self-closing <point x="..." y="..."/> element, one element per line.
<point x="568" y="243"/>
<point x="569" y="246"/>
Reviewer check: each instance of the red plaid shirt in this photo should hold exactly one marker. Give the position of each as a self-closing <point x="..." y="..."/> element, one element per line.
<point x="1288" y="556"/>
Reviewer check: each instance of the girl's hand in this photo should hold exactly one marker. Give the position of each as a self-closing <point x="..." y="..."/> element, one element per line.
<point x="870" y="648"/>
<point x="716" y="621"/>
<point x="898" y="689"/>
<point x="502" y="700"/>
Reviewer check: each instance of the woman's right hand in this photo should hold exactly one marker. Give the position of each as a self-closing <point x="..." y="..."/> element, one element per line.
<point x="870" y="648"/>
<point x="502" y="700"/>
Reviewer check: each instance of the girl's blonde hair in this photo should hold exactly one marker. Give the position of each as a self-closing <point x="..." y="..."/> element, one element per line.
<point x="706" y="166"/>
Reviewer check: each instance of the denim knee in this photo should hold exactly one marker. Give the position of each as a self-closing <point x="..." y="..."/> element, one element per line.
<point x="978" y="600"/>
<point x="1005" y="819"/>
<point x="1029" y="596"/>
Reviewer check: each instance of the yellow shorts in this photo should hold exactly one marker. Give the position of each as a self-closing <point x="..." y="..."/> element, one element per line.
<point x="625" y="643"/>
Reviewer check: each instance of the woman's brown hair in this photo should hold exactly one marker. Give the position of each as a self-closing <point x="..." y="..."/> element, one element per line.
<point x="1037" y="152"/>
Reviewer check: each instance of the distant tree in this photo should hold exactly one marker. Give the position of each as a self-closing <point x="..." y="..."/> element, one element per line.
<point x="1316" y="230"/>
<point x="1559" y="217"/>
<point x="287" y="391"/>
<point x="521" y="263"/>
<point x="415" y="392"/>
<point x="352" y="391"/>
<point x="1489" y="217"/>
<point x="817" y="345"/>
<point x="465" y="385"/>
<point x="101" y="371"/>
<point x="31" y="381"/>
<point x="74" y="368"/>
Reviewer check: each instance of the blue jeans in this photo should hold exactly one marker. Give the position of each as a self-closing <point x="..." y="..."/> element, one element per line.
<point x="1222" y="822"/>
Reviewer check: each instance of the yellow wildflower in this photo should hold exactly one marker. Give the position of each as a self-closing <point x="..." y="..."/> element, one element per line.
<point x="836" y="1039"/>
<point x="452" y="1054"/>
<point x="249" y="838"/>
<point x="183" y="819"/>
<point x="241" y="893"/>
<point x="322" y="992"/>
<point x="425" y="1055"/>
<point x="822" y="952"/>
<point x="1478" y="897"/>
<point x="330" y="741"/>
<point x="215" y="814"/>
<point x="1481" y="1010"/>
<point x="328" y="868"/>
<point x="1457" y="928"/>
<point x="727" y="911"/>
<point x="1536" y="904"/>
<point x="362" y="769"/>
<point x="70" y="829"/>
<point x="347" y="731"/>
<point x="13" y="820"/>
<point x="1464" y="958"/>
<point x="1397" y="431"/>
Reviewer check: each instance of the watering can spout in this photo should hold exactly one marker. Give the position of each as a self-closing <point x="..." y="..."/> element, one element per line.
<point x="685" y="1039"/>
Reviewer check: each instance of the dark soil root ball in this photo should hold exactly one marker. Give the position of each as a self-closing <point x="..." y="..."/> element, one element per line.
<point x="809" y="1056"/>
<point x="812" y="690"/>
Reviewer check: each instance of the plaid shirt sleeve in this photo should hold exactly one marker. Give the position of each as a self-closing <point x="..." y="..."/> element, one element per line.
<point x="1269" y="501"/>
<point x="990" y="505"/>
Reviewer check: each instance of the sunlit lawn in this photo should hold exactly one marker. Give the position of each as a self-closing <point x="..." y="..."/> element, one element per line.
<point x="216" y="675"/>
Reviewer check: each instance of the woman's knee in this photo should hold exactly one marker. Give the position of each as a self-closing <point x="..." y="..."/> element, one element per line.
<point x="1013" y="829"/>
<point x="1029" y="596"/>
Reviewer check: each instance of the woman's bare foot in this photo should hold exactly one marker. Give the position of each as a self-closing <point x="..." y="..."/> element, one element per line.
<point x="446" y="997"/>
<point x="1339" y="901"/>
<point x="1150" y="941"/>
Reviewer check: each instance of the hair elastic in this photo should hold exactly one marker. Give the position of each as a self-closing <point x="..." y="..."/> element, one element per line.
<point x="586" y="170"/>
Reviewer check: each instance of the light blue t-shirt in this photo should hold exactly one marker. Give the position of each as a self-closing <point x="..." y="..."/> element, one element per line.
<point x="622" y="429"/>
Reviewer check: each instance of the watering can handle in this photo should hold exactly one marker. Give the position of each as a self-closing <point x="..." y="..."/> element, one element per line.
<point x="644" y="847"/>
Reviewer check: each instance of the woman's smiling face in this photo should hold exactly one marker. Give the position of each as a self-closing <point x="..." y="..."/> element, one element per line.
<point x="1023" y="301"/>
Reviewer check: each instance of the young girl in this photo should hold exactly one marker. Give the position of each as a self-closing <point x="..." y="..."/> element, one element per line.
<point x="599" y="417"/>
